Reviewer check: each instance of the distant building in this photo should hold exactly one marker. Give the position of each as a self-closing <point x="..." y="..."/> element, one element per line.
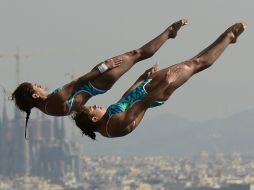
<point x="227" y="187"/>
<point x="46" y="153"/>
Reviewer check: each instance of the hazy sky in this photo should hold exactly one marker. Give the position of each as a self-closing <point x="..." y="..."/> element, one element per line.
<point x="56" y="37"/>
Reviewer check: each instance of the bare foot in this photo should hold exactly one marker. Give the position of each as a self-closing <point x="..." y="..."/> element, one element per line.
<point x="173" y="29"/>
<point x="235" y="30"/>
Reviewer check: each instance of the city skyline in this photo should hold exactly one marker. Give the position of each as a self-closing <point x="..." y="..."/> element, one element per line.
<point x="201" y="137"/>
<point x="51" y="160"/>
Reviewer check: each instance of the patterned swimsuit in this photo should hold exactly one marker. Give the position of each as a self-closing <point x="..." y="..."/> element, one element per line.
<point x="128" y="101"/>
<point x="87" y="88"/>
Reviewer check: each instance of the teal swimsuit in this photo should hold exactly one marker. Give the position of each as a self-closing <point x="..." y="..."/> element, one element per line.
<point x="87" y="88"/>
<point x="128" y="101"/>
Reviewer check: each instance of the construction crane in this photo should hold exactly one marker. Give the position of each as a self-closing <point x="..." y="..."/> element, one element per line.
<point x="17" y="56"/>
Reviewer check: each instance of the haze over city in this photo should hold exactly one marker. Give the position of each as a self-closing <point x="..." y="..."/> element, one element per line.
<point x="60" y="39"/>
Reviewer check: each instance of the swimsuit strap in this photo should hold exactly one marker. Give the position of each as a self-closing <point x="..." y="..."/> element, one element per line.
<point x="107" y="128"/>
<point x="86" y="88"/>
<point x="45" y="108"/>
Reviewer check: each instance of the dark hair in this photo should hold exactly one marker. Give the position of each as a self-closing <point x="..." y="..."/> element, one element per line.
<point x="23" y="99"/>
<point x="85" y="124"/>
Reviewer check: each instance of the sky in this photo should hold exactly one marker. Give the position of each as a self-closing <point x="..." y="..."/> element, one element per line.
<point x="63" y="38"/>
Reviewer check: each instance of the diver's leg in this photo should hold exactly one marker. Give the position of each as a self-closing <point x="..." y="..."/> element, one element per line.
<point x="180" y="73"/>
<point x="209" y="55"/>
<point x="107" y="79"/>
<point x="149" y="49"/>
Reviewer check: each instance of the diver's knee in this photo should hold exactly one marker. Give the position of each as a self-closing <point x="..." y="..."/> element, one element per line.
<point x="146" y="53"/>
<point x="134" y="53"/>
<point x="140" y="54"/>
<point x="143" y="53"/>
<point x="133" y="56"/>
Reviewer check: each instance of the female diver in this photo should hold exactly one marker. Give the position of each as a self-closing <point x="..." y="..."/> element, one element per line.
<point x="123" y="117"/>
<point x="101" y="78"/>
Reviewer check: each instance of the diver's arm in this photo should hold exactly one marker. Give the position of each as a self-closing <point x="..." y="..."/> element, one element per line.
<point x="98" y="70"/>
<point x="94" y="73"/>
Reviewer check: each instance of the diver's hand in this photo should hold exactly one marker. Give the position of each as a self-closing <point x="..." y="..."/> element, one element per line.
<point x="149" y="72"/>
<point x="114" y="62"/>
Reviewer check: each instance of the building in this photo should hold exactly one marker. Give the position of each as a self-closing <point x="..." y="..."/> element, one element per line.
<point x="47" y="153"/>
<point x="227" y="187"/>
